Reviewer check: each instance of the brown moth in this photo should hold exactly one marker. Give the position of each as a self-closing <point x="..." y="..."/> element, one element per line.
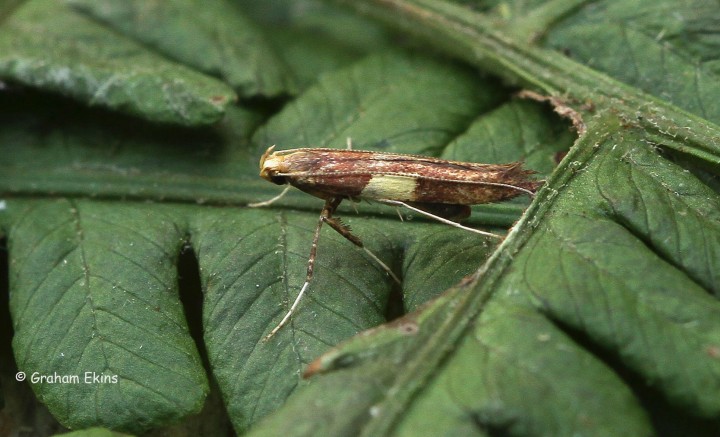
<point x="437" y="188"/>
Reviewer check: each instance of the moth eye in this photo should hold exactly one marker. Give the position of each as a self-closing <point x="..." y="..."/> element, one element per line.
<point x="280" y="180"/>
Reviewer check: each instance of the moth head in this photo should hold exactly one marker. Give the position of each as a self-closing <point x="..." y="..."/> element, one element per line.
<point x="270" y="166"/>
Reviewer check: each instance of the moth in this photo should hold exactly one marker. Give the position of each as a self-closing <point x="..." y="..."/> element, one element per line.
<point x="437" y="188"/>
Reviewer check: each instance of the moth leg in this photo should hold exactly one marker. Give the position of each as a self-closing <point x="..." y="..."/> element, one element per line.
<point x="328" y="209"/>
<point x="270" y="201"/>
<point x="438" y="218"/>
<point x="345" y="231"/>
<point x="348" y="141"/>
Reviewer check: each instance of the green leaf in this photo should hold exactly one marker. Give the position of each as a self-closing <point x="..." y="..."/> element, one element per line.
<point x="248" y="285"/>
<point x="251" y="262"/>
<point x="46" y="45"/>
<point x="475" y="392"/>
<point x="597" y="314"/>
<point x="314" y="37"/>
<point x="99" y="153"/>
<point x="93" y="432"/>
<point x="214" y="37"/>
<point x="601" y="280"/>
<point x="383" y="95"/>
<point x="672" y="49"/>
<point x="645" y="284"/>
<point x="533" y="138"/>
<point x="91" y="340"/>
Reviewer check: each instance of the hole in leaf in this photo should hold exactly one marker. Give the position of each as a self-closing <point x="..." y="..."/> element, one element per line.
<point x="20" y="411"/>
<point x="213" y="418"/>
<point x="395" y="307"/>
<point x="190" y="291"/>
<point x="7" y="361"/>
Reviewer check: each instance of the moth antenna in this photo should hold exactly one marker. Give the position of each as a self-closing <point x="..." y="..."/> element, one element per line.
<point x="514" y="187"/>
<point x="270" y="201"/>
<point x="500" y="184"/>
<point x="438" y="218"/>
<point x="385" y="267"/>
<point x="516" y="170"/>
